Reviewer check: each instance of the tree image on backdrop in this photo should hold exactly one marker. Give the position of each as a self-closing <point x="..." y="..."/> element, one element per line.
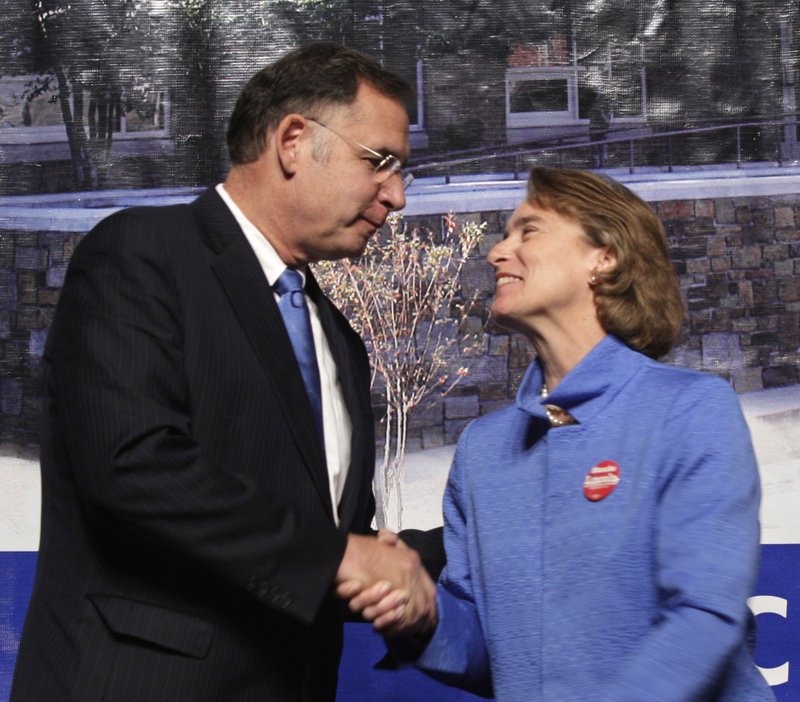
<point x="403" y="296"/>
<point x="84" y="52"/>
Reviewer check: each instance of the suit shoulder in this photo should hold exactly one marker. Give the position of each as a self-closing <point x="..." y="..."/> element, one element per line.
<point x="156" y="238"/>
<point x="145" y="224"/>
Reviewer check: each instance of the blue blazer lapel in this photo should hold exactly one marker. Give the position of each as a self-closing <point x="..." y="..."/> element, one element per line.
<point x="253" y="302"/>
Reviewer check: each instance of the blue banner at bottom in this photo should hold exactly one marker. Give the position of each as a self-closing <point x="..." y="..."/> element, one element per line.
<point x="16" y="582"/>
<point x="777" y="653"/>
<point x="777" y="609"/>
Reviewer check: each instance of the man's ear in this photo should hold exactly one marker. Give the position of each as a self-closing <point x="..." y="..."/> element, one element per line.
<point x="287" y="139"/>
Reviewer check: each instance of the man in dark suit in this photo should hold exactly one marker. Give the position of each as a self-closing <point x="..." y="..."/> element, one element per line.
<point x="199" y="504"/>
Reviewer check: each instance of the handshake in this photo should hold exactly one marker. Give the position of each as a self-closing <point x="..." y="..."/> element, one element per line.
<point x="385" y="582"/>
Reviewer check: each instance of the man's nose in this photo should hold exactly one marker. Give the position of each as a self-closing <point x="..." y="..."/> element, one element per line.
<point x="392" y="195"/>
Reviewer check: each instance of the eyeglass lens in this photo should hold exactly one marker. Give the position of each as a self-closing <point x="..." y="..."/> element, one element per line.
<point x="391" y="165"/>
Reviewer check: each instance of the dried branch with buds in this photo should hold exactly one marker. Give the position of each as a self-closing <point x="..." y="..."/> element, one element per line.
<point x="403" y="295"/>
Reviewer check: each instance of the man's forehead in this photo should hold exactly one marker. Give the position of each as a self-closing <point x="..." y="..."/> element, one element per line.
<point x="380" y="122"/>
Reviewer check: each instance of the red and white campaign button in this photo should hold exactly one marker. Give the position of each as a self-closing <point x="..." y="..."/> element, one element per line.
<point x="601" y="480"/>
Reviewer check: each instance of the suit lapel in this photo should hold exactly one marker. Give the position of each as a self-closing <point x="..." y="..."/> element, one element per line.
<point x="253" y="302"/>
<point x="354" y="396"/>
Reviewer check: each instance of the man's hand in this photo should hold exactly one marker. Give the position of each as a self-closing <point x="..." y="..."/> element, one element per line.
<point x="386" y="583"/>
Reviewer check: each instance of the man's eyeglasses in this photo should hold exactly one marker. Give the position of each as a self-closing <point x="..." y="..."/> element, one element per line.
<point x="384" y="165"/>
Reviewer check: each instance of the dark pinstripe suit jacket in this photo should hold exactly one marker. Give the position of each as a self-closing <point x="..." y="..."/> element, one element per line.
<point x="188" y="543"/>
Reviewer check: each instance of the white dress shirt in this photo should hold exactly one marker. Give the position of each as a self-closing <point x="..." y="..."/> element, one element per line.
<point x="336" y="422"/>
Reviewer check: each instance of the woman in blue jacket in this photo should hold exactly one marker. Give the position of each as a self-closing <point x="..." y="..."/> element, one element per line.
<point x="602" y="534"/>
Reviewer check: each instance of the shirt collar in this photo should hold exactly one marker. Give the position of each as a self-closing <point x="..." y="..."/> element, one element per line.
<point x="271" y="263"/>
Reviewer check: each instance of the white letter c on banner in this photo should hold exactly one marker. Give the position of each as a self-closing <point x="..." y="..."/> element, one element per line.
<point x="767" y="604"/>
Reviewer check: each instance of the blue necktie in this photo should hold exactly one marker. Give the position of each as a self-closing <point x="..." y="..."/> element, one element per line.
<point x="296" y="317"/>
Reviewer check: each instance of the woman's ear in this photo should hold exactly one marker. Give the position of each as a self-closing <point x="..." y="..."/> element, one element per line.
<point x="606" y="259"/>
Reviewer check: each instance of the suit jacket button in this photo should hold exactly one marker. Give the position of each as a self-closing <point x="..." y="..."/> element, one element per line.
<point x="283" y="600"/>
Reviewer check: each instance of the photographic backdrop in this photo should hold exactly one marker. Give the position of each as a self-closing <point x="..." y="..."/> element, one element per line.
<point x="109" y="104"/>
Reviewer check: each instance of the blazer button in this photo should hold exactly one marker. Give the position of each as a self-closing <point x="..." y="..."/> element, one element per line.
<point x="283" y="600"/>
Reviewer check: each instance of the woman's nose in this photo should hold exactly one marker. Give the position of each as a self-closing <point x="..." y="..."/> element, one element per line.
<point x="497" y="253"/>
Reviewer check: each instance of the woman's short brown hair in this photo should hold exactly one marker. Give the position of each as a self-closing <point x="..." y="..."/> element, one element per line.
<point x="638" y="299"/>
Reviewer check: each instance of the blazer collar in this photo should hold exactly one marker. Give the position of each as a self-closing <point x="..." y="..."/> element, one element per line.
<point x="589" y="386"/>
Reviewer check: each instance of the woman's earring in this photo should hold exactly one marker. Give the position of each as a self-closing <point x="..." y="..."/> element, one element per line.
<point x="593" y="280"/>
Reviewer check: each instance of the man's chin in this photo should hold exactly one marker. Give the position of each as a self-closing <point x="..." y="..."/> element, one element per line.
<point x="364" y="230"/>
<point x="361" y="236"/>
<point x="348" y="243"/>
<point x="348" y="251"/>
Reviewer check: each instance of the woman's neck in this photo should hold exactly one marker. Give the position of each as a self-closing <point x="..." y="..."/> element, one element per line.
<point x="560" y="350"/>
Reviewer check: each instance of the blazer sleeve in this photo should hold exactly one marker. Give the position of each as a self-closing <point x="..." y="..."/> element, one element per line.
<point x="457" y="653"/>
<point x="117" y="381"/>
<point x="706" y="555"/>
